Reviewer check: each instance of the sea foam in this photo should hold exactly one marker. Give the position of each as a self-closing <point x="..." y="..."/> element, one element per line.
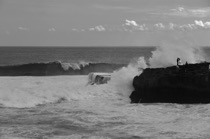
<point x="32" y="91"/>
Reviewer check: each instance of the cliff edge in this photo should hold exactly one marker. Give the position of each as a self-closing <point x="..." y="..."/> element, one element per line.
<point x="186" y="84"/>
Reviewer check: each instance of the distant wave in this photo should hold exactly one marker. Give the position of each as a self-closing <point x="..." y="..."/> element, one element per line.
<point x="57" y="68"/>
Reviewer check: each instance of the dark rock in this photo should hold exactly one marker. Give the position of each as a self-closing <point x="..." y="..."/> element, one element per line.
<point x="186" y="84"/>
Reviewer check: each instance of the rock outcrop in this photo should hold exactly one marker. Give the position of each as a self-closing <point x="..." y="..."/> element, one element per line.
<point x="186" y="84"/>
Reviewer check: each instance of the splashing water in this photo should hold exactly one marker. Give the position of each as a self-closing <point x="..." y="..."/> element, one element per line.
<point x="122" y="79"/>
<point x="166" y="55"/>
<point x="73" y="110"/>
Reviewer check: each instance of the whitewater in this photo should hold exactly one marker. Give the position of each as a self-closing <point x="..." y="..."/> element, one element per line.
<point x="66" y="107"/>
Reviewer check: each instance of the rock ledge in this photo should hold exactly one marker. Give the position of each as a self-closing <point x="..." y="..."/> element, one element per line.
<point x="186" y="84"/>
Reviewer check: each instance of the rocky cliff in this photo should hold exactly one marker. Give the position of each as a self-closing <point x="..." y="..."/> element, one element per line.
<point x="186" y="84"/>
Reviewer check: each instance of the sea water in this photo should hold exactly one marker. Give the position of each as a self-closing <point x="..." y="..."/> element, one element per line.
<point x="66" y="107"/>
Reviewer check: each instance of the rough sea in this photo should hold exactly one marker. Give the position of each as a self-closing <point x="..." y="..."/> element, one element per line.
<point x="66" y="107"/>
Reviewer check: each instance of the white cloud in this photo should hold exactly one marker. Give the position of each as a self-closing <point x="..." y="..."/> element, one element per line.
<point x="97" y="28"/>
<point x="202" y="24"/>
<point x="91" y="29"/>
<point x="191" y="26"/>
<point x="100" y="28"/>
<point x="133" y="26"/>
<point x="131" y="23"/>
<point x="186" y="12"/>
<point x="142" y="27"/>
<point x="74" y="29"/>
<point x="52" y="29"/>
<point x="199" y="23"/>
<point x="179" y="9"/>
<point x="159" y="26"/>
<point x="172" y="26"/>
<point x="207" y="24"/>
<point x="184" y="27"/>
<point x="22" y="28"/>
<point x="200" y="12"/>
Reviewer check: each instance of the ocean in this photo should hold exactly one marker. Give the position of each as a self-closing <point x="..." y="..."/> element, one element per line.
<point x="61" y="105"/>
<point x="117" y="55"/>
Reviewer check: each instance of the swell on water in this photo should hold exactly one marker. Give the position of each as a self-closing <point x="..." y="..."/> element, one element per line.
<point x="57" y="68"/>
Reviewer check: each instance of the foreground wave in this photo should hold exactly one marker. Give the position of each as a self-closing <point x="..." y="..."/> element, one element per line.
<point x="57" y="68"/>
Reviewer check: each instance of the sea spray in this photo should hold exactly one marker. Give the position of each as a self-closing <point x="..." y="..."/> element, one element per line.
<point x="74" y="66"/>
<point x="24" y="92"/>
<point x="30" y="91"/>
<point x="123" y="78"/>
<point x="167" y="53"/>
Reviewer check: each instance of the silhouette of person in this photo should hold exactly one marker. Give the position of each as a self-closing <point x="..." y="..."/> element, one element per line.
<point x="179" y="62"/>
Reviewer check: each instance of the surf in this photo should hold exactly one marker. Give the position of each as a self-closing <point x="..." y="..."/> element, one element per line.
<point x="57" y="68"/>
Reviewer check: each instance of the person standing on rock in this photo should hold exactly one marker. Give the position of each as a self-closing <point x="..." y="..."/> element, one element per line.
<point x="179" y="62"/>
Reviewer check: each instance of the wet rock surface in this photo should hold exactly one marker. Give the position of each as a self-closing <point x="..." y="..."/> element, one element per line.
<point x="186" y="84"/>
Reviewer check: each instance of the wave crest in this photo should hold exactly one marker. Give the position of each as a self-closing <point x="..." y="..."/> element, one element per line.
<point x="57" y="68"/>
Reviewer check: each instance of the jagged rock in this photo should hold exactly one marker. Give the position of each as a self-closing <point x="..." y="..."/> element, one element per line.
<point x="187" y="84"/>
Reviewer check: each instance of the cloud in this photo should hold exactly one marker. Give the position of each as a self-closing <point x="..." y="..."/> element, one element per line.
<point x="199" y="23"/>
<point x="131" y="25"/>
<point x="74" y="29"/>
<point x="91" y="29"/>
<point x="207" y="24"/>
<point x="52" y="29"/>
<point x="159" y="26"/>
<point x="172" y="26"/>
<point x="179" y="9"/>
<point x="184" y="27"/>
<point x="187" y="12"/>
<point x="23" y="28"/>
<point x="200" y="12"/>
<point x="202" y="24"/>
<point x="98" y="28"/>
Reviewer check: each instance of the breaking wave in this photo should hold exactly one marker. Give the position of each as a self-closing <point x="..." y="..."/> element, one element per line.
<point x="24" y="92"/>
<point x="57" y="68"/>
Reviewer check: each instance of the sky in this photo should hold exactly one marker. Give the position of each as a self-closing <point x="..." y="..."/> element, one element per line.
<point x="103" y="22"/>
